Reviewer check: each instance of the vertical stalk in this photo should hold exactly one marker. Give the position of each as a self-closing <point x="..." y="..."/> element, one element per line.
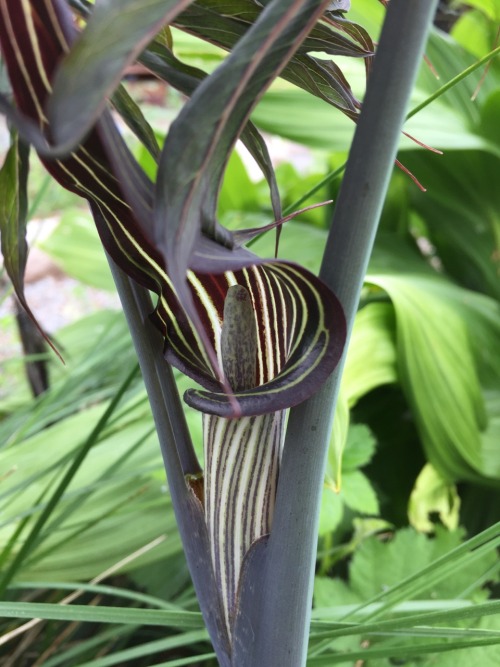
<point x="276" y="611"/>
<point x="178" y="455"/>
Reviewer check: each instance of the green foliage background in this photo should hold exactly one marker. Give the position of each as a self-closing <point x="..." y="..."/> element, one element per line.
<point x="414" y="462"/>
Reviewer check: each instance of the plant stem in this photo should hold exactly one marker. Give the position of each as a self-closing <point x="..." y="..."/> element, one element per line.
<point x="177" y="451"/>
<point x="276" y="600"/>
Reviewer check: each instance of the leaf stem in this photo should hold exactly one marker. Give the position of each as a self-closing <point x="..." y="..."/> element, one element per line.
<point x="453" y="82"/>
<point x="277" y="610"/>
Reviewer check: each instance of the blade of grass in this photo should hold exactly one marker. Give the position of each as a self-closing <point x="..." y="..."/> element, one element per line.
<point x="343" y="629"/>
<point x="193" y="660"/>
<point x="70" y="656"/>
<point x="77" y="503"/>
<point x="453" y="82"/>
<point x="397" y="652"/>
<point x="32" y="539"/>
<point x="149" y="648"/>
<point x="113" y="591"/>
<point x="184" y="620"/>
<point x="468" y="551"/>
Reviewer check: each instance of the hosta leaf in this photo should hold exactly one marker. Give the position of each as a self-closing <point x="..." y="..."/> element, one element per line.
<point x="371" y="360"/>
<point x="115" y="33"/>
<point x="464" y="228"/>
<point x="444" y="337"/>
<point x="338" y="439"/>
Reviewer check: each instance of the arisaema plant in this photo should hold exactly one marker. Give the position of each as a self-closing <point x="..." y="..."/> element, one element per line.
<point x="259" y="335"/>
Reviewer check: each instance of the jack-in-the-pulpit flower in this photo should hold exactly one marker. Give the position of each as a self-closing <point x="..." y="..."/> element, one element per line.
<point x="266" y="333"/>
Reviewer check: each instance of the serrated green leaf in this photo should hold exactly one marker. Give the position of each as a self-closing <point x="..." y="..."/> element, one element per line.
<point x="360" y="447"/>
<point x="358" y="493"/>
<point x="376" y="565"/>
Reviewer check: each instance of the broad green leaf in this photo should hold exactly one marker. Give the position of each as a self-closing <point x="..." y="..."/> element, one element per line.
<point x="338" y="438"/>
<point x="360" y="447"/>
<point x="371" y="359"/>
<point x="120" y="482"/>
<point x="461" y="212"/>
<point x="75" y="246"/>
<point x="358" y="493"/>
<point x="476" y="29"/>
<point x="433" y="495"/>
<point x="115" y="33"/>
<point x="441" y="367"/>
<point x="238" y="193"/>
<point x="331" y="511"/>
<point x="376" y="565"/>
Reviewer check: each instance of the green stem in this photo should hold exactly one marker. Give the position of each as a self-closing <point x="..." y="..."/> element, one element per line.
<point x="454" y="81"/>
<point x="276" y="610"/>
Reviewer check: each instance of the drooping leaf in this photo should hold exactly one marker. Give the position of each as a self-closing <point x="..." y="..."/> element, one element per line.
<point x="195" y="154"/>
<point x="319" y="77"/>
<point x="115" y="33"/>
<point x="13" y="221"/>
<point x="13" y="213"/>
<point x="309" y="344"/>
<point x="131" y="113"/>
